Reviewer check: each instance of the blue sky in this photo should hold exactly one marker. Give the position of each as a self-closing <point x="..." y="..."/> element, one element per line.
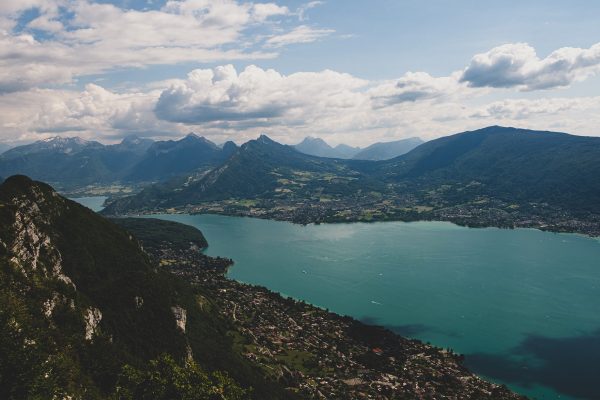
<point x="347" y="71"/>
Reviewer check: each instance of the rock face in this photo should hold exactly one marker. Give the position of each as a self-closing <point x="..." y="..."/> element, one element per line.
<point x="71" y="284"/>
<point x="180" y="317"/>
<point x="92" y="319"/>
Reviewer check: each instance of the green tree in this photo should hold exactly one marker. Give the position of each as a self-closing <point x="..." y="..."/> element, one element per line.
<point x="164" y="379"/>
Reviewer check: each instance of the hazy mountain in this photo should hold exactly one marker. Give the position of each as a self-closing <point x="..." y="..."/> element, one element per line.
<point x="133" y="143"/>
<point x="73" y="162"/>
<point x="175" y="157"/>
<point x="65" y="160"/>
<point x="318" y="147"/>
<point x="345" y="151"/>
<point x="56" y="144"/>
<point x="387" y="150"/>
<point x="79" y="299"/>
<point x="228" y="148"/>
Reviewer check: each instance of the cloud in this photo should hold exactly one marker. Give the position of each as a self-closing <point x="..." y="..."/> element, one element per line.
<point x="523" y="109"/>
<point x="303" y="9"/>
<point x="94" y="113"/>
<point x="517" y="65"/>
<point x="73" y="38"/>
<point x="414" y="86"/>
<point x="300" y="34"/>
<point x="225" y="104"/>
<point x="221" y="94"/>
<point x="228" y="103"/>
<point x="261" y="12"/>
<point x="26" y="63"/>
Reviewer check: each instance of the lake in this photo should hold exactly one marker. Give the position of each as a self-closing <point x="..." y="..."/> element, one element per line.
<point x="95" y="203"/>
<point x="522" y="305"/>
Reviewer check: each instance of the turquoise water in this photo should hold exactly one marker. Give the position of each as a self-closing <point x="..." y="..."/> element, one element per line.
<point x="94" y="203"/>
<point x="522" y="305"/>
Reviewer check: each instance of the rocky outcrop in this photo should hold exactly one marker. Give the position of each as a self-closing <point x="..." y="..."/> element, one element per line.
<point x="180" y="317"/>
<point x="92" y="319"/>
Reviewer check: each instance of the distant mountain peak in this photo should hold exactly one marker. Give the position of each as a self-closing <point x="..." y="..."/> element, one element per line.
<point x="265" y="139"/>
<point x="192" y="135"/>
<point x="65" y="140"/>
<point x="312" y="139"/>
<point x="229" y="146"/>
<point x="56" y="144"/>
<point x="131" y="139"/>
<point x="316" y="146"/>
<point x="194" y="138"/>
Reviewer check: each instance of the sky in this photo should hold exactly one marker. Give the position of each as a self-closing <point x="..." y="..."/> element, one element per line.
<point x="347" y="71"/>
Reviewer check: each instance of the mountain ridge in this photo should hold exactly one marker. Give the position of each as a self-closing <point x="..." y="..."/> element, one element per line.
<point x="74" y="162"/>
<point x="495" y="176"/>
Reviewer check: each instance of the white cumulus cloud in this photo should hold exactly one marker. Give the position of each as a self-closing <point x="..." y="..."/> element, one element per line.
<point x="72" y="38"/>
<point x="518" y="65"/>
<point x="221" y="94"/>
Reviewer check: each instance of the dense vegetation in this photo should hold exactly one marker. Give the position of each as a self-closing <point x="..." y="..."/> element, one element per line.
<point x="83" y="312"/>
<point x="154" y="232"/>
<point x="509" y="163"/>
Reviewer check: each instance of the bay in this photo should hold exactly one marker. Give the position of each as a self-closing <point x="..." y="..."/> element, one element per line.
<point x="94" y="203"/>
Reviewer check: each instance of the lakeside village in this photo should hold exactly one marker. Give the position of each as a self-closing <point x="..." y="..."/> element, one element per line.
<point x="318" y="354"/>
<point x="479" y="213"/>
<point x="462" y="204"/>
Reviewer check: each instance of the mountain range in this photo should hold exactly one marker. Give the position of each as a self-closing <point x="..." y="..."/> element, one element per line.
<point x="482" y="169"/>
<point x="377" y="151"/>
<point x="71" y="163"/>
<point x="74" y="162"/>
<point x="515" y="167"/>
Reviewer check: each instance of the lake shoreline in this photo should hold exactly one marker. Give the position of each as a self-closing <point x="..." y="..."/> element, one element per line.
<point x="322" y="353"/>
<point x="256" y="238"/>
<point x="595" y="233"/>
<point x="242" y="264"/>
